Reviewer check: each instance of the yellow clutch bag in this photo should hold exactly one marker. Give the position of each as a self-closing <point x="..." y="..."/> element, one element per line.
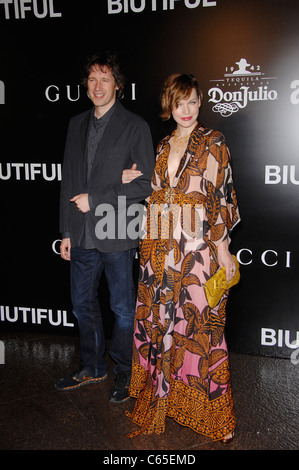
<point x="217" y="284"/>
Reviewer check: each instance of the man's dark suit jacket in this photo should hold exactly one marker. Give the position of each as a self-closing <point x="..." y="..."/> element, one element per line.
<point x="126" y="140"/>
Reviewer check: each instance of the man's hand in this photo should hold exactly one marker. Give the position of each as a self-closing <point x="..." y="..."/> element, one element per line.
<point x="65" y="249"/>
<point x="81" y="201"/>
<point x="131" y="174"/>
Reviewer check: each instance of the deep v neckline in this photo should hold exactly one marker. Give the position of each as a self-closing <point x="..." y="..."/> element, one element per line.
<point x="181" y="166"/>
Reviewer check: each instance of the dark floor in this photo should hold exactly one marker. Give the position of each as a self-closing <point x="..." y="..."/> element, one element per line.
<point x="35" y="416"/>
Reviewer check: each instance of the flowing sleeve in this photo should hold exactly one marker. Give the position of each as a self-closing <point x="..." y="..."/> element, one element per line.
<point x="221" y="205"/>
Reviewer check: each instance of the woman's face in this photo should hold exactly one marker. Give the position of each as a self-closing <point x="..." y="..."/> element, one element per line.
<point x="186" y="112"/>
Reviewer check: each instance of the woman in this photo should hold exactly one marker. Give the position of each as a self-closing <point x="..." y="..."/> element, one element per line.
<point x="180" y="361"/>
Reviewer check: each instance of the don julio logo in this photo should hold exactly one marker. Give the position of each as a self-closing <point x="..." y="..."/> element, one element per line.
<point x="241" y="84"/>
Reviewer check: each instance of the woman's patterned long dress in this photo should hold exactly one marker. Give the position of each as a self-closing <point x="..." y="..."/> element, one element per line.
<point x="180" y="363"/>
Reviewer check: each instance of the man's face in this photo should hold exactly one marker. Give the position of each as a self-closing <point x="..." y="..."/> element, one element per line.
<point x="101" y="88"/>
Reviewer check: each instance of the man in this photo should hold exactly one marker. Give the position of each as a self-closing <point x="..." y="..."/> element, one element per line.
<point x="100" y="144"/>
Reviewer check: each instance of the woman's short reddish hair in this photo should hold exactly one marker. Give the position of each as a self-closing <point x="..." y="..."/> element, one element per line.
<point x="177" y="87"/>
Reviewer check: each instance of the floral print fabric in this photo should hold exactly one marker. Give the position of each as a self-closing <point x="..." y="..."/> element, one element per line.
<point x="180" y="363"/>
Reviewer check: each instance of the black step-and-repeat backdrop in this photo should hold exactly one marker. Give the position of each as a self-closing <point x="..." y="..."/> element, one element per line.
<point x="245" y="55"/>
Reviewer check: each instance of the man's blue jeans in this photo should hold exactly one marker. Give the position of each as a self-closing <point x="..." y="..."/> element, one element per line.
<point x="86" y="270"/>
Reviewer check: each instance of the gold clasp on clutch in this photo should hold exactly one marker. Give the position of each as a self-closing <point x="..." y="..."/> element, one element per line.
<point x="219" y="284"/>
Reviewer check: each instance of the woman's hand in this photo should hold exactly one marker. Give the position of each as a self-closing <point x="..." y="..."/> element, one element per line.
<point x="225" y="259"/>
<point x="131" y="174"/>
